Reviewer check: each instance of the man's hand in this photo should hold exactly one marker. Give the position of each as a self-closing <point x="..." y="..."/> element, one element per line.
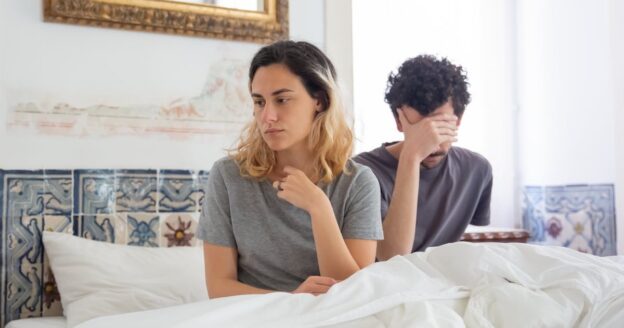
<point x="315" y="285"/>
<point x="297" y="189"/>
<point x="425" y="137"/>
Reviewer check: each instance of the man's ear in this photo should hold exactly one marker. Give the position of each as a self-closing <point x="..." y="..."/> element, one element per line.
<point x="458" y="121"/>
<point x="398" y="124"/>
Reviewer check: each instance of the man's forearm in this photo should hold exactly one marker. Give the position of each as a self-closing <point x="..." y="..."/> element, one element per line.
<point x="400" y="222"/>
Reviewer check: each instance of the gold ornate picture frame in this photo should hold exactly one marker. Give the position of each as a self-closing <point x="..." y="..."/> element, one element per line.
<point x="175" y="17"/>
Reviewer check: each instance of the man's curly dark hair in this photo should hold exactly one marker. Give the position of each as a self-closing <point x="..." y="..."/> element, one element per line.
<point x="426" y="83"/>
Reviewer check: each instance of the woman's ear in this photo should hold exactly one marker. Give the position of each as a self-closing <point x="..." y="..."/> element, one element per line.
<point x="319" y="106"/>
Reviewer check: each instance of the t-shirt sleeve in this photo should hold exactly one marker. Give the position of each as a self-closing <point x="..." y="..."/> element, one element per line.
<point x="482" y="213"/>
<point x="215" y="222"/>
<point x="362" y="219"/>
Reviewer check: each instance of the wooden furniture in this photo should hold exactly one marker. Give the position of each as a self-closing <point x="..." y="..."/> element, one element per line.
<point x="494" y="234"/>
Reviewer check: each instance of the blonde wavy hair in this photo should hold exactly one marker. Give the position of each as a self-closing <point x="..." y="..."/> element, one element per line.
<point x="330" y="139"/>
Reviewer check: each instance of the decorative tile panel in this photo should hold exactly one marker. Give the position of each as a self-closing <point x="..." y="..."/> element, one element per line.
<point x="178" y="229"/>
<point x="129" y="207"/>
<point x="110" y="228"/>
<point x="94" y="191"/>
<point x="51" y="297"/>
<point x="177" y="191"/>
<point x="24" y="191"/>
<point x="202" y="183"/>
<point x="136" y="191"/>
<point x="58" y="191"/>
<point x="581" y="217"/>
<point x="143" y="229"/>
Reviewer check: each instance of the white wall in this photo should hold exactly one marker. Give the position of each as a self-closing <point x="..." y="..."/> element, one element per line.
<point x="566" y="93"/>
<point x="86" y="66"/>
<point x="616" y="27"/>
<point x="384" y="36"/>
<point x="339" y="45"/>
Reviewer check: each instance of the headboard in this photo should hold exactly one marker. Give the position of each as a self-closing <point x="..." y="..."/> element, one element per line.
<point x="150" y="208"/>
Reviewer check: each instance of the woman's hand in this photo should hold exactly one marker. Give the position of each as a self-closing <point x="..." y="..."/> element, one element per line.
<point x="297" y="189"/>
<point x="315" y="285"/>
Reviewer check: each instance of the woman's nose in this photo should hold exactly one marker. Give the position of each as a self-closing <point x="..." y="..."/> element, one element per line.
<point x="269" y="114"/>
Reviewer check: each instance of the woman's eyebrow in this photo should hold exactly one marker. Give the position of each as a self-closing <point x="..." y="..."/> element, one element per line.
<point x="275" y="93"/>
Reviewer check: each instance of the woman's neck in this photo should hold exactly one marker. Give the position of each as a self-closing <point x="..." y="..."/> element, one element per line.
<point x="301" y="160"/>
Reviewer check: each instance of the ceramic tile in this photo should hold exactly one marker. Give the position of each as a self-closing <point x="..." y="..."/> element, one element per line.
<point x="136" y="191"/>
<point x="581" y="217"/>
<point x="143" y="229"/>
<point x="179" y="229"/>
<point x="177" y="191"/>
<point x="94" y="192"/>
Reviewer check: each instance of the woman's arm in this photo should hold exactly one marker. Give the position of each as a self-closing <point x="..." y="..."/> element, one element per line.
<point x="222" y="277"/>
<point x="221" y="273"/>
<point x="337" y="258"/>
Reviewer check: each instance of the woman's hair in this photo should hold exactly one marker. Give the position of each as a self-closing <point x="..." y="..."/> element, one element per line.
<point x="330" y="139"/>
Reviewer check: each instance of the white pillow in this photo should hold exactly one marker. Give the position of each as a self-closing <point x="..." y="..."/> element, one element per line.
<point x="97" y="278"/>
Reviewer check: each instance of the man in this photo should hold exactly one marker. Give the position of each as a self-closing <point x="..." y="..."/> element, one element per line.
<point x="430" y="191"/>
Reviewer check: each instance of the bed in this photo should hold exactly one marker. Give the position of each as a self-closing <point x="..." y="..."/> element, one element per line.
<point x="455" y="285"/>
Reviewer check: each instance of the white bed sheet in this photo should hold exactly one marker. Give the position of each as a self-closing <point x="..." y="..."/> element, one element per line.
<point x="46" y="322"/>
<point x="456" y="285"/>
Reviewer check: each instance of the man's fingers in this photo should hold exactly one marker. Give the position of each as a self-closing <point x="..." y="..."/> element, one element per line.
<point x="451" y="118"/>
<point x="446" y="131"/>
<point x="445" y="124"/>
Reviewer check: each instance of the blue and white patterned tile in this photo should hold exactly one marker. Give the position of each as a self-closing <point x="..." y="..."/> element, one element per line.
<point x="51" y="297"/>
<point x="136" y="191"/>
<point x="178" y="229"/>
<point x="143" y="229"/>
<point x="58" y="191"/>
<point x="177" y="191"/>
<point x="201" y="185"/>
<point x="22" y="294"/>
<point x="111" y="228"/>
<point x="581" y="217"/>
<point x="94" y="192"/>
<point x="533" y="212"/>
<point x="24" y="193"/>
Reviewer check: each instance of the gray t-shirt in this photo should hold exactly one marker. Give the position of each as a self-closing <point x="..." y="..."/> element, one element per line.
<point x="451" y="195"/>
<point x="273" y="237"/>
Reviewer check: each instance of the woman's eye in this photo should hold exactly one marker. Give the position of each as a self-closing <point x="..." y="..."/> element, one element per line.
<point x="258" y="103"/>
<point x="282" y="100"/>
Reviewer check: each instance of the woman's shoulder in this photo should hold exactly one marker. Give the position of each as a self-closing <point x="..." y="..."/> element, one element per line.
<point x="225" y="166"/>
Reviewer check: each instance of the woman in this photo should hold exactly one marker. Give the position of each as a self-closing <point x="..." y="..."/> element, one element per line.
<point x="288" y="210"/>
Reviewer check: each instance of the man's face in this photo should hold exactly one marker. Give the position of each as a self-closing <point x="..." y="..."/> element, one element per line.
<point x="413" y="116"/>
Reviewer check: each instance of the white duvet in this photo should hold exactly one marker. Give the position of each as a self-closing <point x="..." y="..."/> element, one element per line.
<point x="456" y="285"/>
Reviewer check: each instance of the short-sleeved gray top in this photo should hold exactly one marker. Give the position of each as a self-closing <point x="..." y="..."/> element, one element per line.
<point x="451" y="195"/>
<point x="273" y="237"/>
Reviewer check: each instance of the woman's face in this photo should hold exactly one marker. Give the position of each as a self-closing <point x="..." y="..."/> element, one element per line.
<point x="283" y="109"/>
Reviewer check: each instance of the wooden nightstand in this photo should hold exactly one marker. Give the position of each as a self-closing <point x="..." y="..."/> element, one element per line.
<point x="494" y="234"/>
